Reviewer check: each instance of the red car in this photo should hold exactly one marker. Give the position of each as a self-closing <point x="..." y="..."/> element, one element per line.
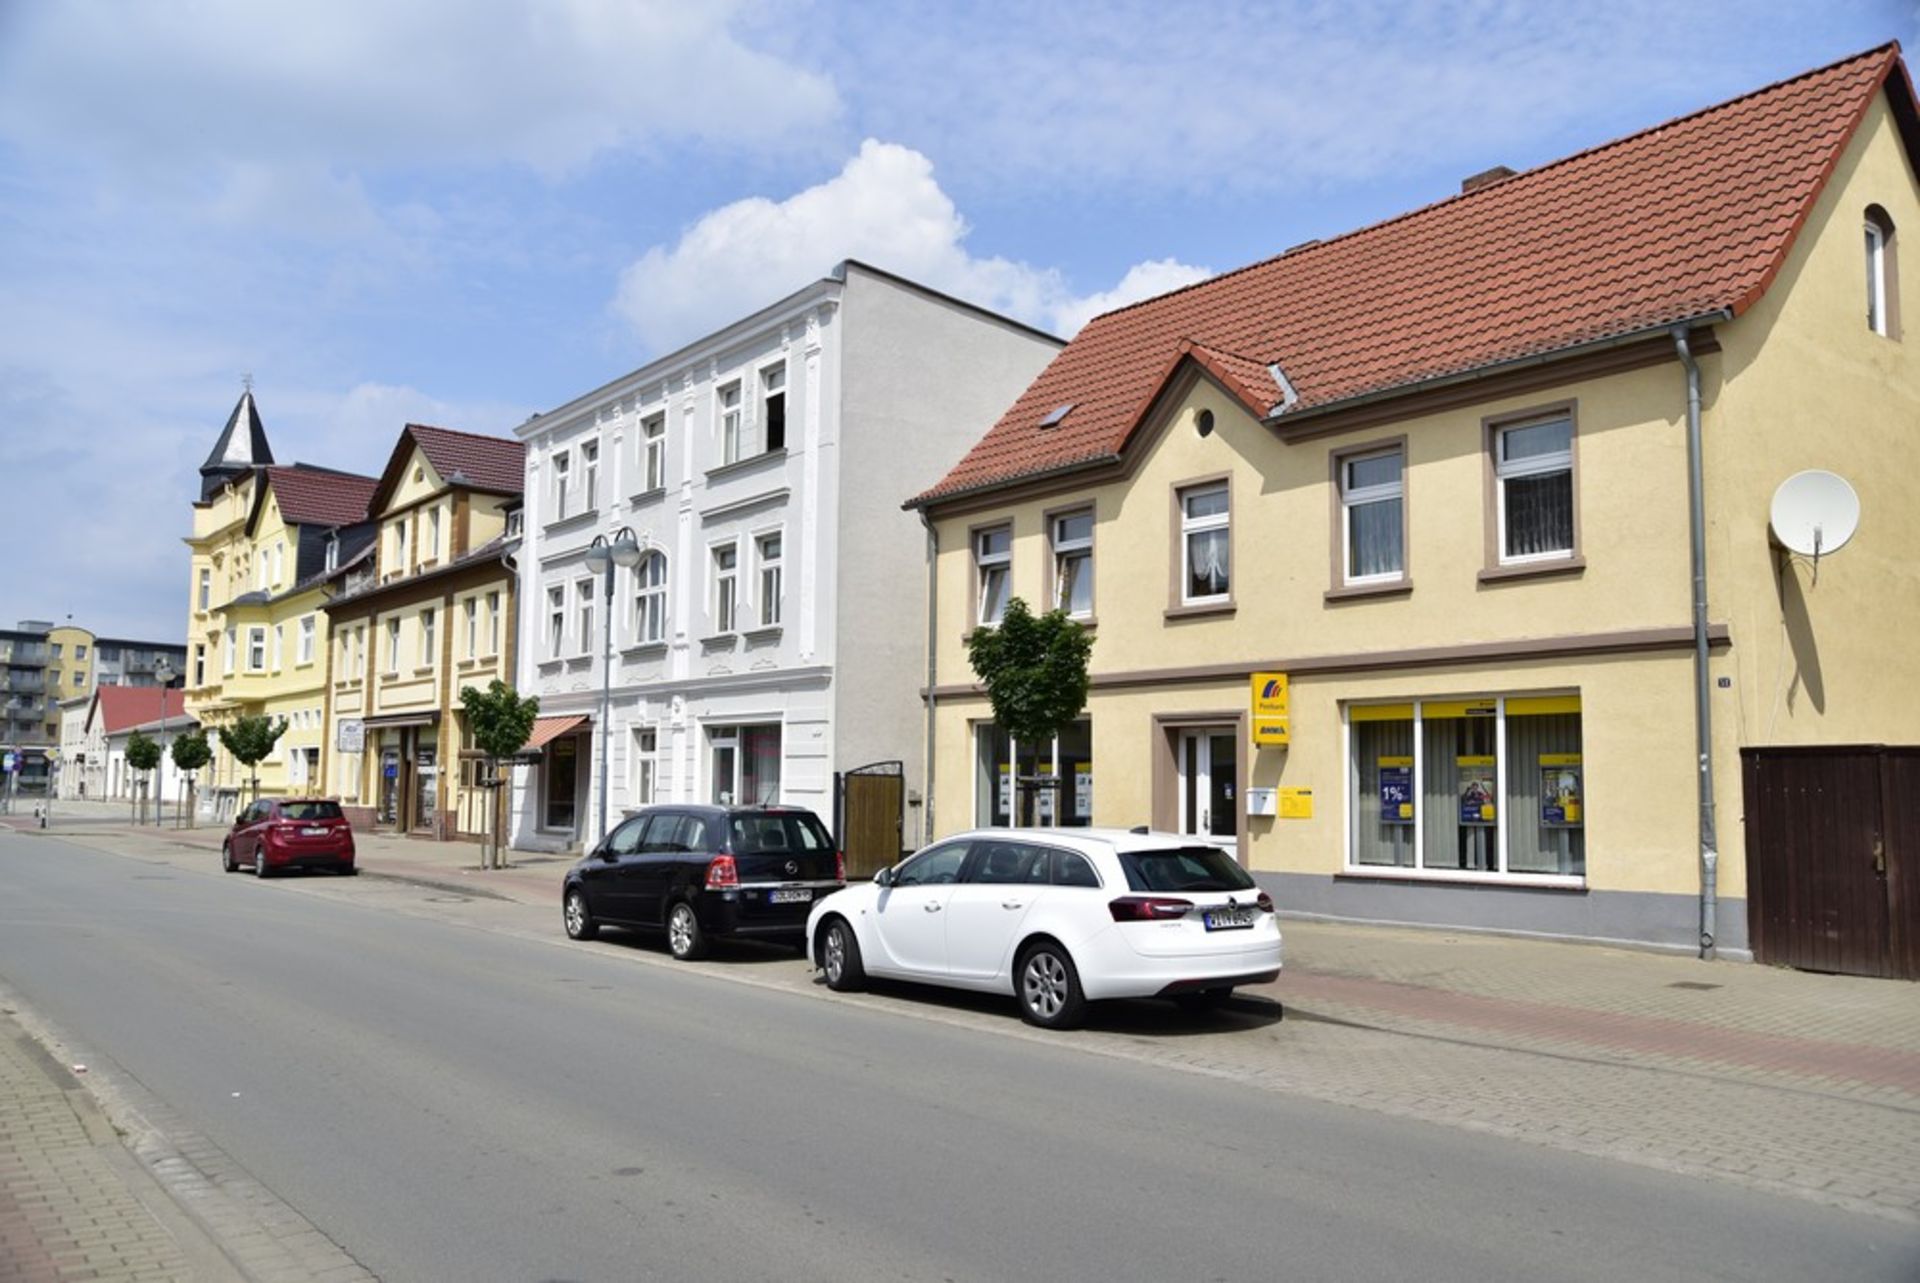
<point x="278" y="833"/>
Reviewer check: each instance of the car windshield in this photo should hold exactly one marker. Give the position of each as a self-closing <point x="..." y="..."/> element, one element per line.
<point x="1186" y="868"/>
<point x="310" y="810"/>
<point x="770" y="834"/>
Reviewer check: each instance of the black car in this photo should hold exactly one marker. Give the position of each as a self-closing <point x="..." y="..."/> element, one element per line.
<point x="704" y="871"/>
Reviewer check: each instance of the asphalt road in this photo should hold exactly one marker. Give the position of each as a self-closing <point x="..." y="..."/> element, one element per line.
<point x="449" y="1102"/>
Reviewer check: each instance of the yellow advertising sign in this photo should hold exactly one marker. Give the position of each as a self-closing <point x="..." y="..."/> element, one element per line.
<point x="1296" y="804"/>
<point x="1271" y="723"/>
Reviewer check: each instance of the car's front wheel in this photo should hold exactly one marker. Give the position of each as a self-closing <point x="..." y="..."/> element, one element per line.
<point x="579" y="921"/>
<point x="840" y="957"/>
<point x="685" y="940"/>
<point x="1050" y="988"/>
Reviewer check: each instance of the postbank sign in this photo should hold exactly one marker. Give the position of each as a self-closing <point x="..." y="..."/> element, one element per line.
<point x="1271" y="723"/>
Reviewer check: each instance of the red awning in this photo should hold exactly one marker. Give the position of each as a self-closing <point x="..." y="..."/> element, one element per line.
<point x="548" y="729"/>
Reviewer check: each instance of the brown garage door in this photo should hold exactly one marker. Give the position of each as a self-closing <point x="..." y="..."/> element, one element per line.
<point x="1833" y="845"/>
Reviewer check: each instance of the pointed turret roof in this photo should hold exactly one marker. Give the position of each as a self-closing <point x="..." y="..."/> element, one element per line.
<point x="242" y="445"/>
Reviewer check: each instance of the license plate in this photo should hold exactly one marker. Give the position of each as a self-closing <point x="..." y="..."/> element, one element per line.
<point x="313" y="832"/>
<point x="789" y="897"/>
<point x="1229" y="919"/>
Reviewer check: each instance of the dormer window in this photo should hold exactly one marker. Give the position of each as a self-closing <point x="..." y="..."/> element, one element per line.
<point x="333" y="553"/>
<point x="1883" y="284"/>
<point x="513" y="524"/>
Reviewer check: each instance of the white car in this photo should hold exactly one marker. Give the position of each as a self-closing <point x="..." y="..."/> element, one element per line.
<point x="1057" y="917"/>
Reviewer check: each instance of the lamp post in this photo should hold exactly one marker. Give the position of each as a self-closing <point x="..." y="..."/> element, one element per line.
<point x="18" y="754"/>
<point x="162" y="673"/>
<point x="602" y="557"/>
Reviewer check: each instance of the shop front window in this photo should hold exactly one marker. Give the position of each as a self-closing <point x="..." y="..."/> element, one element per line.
<point x="560" y="778"/>
<point x="1059" y="774"/>
<point x="1486" y="787"/>
<point x="744" y="766"/>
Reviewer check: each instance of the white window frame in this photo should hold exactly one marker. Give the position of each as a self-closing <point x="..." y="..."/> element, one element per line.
<point x="473" y="627"/>
<point x="653" y="451"/>
<point x="206" y="588"/>
<point x="589" y="475"/>
<point x="773" y="385"/>
<point x="279" y="642"/>
<point x="1534" y="466"/>
<point x="728" y="407"/>
<point x="771" y="575"/>
<point x="227" y="657"/>
<point x="433" y="533"/>
<point x="646" y="765"/>
<point x="556" y="620"/>
<point x="333" y="553"/>
<point x="986" y="567"/>
<point x="1190" y="526"/>
<point x="650" y="600"/>
<point x="1066" y="549"/>
<point x="493" y="622"/>
<point x="1354" y="497"/>
<point x="561" y="467"/>
<point x="428" y="618"/>
<point x="400" y="565"/>
<point x="583" y="613"/>
<point x="308" y="632"/>
<point x="726" y="586"/>
<point x="393" y="645"/>
<point x="257" y="649"/>
<point x="1876" y="247"/>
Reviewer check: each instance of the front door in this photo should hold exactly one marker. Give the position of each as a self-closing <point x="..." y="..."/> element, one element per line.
<point x="1209" y="802"/>
<point x="426" y="778"/>
<point x="390" y="785"/>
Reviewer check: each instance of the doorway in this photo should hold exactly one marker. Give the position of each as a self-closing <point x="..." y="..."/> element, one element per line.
<point x="1207" y="759"/>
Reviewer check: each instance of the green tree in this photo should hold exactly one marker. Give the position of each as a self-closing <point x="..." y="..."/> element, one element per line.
<point x="191" y="753"/>
<point x="250" y="739"/>
<point x="142" y="755"/>
<point x="1035" y="670"/>
<point x="500" y="722"/>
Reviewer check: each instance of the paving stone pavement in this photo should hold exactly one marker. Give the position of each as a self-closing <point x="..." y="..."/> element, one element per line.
<point x="67" y="1210"/>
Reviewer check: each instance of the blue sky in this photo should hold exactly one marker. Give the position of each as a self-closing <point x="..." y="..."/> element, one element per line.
<point x="459" y="213"/>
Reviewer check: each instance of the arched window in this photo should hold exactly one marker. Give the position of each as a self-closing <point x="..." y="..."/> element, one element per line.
<point x="650" y="599"/>
<point x="1883" y="277"/>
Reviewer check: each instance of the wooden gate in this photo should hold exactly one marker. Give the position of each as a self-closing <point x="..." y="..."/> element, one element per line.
<point x="1833" y="858"/>
<point x="870" y="803"/>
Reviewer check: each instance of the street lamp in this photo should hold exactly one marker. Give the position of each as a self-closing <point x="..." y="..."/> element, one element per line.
<point x="14" y="705"/>
<point x="602" y="557"/>
<point x="163" y="673"/>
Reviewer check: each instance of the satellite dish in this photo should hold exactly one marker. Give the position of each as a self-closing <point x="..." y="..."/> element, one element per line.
<point x="1814" y="513"/>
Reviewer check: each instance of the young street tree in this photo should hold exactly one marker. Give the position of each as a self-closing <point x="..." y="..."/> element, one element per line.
<point x="142" y="755"/>
<point x="501" y="722"/>
<point x="1035" y="672"/>
<point x="191" y="752"/>
<point x="250" y="739"/>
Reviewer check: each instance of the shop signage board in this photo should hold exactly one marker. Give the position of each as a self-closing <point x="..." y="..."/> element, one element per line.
<point x="1296" y="804"/>
<point x="1271" y="718"/>
<point x="1396" y="790"/>
<point x="351" y="735"/>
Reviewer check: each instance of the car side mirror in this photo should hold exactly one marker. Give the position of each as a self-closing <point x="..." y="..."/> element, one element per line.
<point x="884" y="878"/>
<point x="604" y="852"/>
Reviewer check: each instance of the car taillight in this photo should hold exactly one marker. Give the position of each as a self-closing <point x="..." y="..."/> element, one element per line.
<point x="722" y="873"/>
<point x="1264" y="902"/>
<point x="1148" y="908"/>
<point x="840" y="866"/>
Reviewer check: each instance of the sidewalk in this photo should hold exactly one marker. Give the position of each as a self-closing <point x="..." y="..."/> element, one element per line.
<point x="67" y="1207"/>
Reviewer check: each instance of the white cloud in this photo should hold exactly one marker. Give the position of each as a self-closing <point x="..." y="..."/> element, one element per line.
<point x="334" y="87"/>
<point x="886" y="208"/>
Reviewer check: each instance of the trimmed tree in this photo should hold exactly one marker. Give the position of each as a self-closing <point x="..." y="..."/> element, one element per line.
<point x="501" y="723"/>
<point x="250" y="739"/>
<point x="142" y="755"/>
<point x="191" y="752"/>
<point x="1035" y="670"/>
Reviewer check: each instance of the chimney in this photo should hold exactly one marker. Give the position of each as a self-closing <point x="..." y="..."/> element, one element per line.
<point x="1485" y="178"/>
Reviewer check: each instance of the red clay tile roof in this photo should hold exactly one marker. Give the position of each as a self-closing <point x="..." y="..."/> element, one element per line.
<point x="119" y="707"/>
<point x="320" y="496"/>
<point x="1688" y="219"/>
<point x="496" y="464"/>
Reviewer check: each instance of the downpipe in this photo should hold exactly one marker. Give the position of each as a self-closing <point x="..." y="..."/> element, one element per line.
<point x="933" y="634"/>
<point x="1702" y="705"/>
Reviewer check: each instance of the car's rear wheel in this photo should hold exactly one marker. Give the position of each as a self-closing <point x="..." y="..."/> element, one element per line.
<point x="227" y="862"/>
<point x="840" y="957"/>
<point x="1203" y="1000"/>
<point x="349" y="870"/>
<point x="578" y="919"/>
<point x="685" y="940"/>
<point x="259" y="861"/>
<point x="1050" y="988"/>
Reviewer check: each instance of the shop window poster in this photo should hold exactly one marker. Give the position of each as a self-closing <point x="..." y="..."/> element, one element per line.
<point x="1561" y="790"/>
<point x="1478" y="788"/>
<point x="1396" y="790"/>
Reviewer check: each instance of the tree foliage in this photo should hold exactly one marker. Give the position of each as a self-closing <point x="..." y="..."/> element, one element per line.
<point x="1034" y="669"/>
<point x="142" y="753"/>
<point x="191" y="751"/>
<point x="500" y="720"/>
<point x="250" y="739"/>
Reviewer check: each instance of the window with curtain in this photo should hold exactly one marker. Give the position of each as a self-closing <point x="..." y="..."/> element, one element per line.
<point x="1372" y="496"/>
<point x="1533" y="467"/>
<point x="1206" y="546"/>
